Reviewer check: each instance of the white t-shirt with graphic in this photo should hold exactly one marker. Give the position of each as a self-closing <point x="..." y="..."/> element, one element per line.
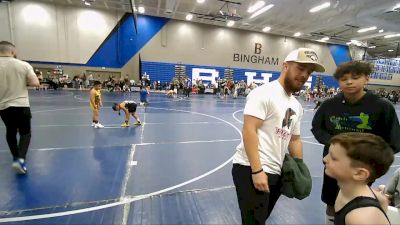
<point x="281" y="114"/>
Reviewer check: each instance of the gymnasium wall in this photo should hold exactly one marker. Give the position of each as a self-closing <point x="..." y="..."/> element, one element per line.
<point x="107" y="40"/>
<point x="56" y="33"/>
<point x="4" y="22"/>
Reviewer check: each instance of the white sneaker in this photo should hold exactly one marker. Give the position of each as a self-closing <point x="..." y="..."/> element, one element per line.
<point x="93" y="124"/>
<point x="98" y="125"/>
<point x="19" y="166"/>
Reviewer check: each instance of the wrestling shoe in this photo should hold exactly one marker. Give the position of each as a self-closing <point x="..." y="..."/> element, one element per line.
<point x="125" y="125"/>
<point x="98" y="125"/>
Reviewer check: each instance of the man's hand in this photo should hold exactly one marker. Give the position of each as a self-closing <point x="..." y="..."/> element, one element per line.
<point x="260" y="181"/>
<point x="382" y="198"/>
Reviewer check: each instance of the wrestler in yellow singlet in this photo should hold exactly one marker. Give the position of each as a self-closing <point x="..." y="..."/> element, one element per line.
<point x="95" y="103"/>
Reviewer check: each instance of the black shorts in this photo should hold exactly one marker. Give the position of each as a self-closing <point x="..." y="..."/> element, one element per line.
<point x="131" y="107"/>
<point x="330" y="190"/>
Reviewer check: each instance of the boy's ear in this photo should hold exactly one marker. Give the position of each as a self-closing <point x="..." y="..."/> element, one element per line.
<point x="367" y="78"/>
<point x="361" y="174"/>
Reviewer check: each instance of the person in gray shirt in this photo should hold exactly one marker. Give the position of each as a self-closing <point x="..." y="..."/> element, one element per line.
<point x="15" y="76"/>
<point x="393" y="189"/>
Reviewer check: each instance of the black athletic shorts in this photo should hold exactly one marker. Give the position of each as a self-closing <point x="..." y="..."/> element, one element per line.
<point x="131" y="107"/>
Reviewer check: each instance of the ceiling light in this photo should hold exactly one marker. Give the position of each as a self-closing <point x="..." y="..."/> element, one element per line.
<point x="87" y="3"/>
<point x="372" y="46"/>
<point x="380" y="31"/>
<point x="324" y="39"/>
<point x="266" y="29"/>
<point x="392" y="35"/>
<point x="366" y="29"/>
<point x="390" y="50"/>
<point x="201" y="1"/>
<point x="230" y="23"/>
<point x="141" y="9"/>
<point x="320" y="7"/>
<point x="297" y="34"/>
<point x="349" y="43"/>
<point x="189" y="16"/>
<point x="262" y="10"/>
<point x="256" y="6"/>
<point x="358" y="43"/>
<point x="396" y="7"/>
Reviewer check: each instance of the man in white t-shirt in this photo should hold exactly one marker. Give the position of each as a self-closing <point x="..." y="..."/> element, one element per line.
<point x="15" y="76"/>
<point x="271" y="127"/>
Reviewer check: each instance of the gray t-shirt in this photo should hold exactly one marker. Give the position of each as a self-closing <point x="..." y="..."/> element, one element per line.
<point x="393" y="188"/>
<point x="13" y="82"/>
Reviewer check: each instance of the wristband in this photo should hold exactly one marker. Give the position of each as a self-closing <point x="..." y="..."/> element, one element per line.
<point x="258" y="171"/>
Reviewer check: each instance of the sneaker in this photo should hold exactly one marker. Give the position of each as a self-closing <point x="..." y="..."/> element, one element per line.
<point x="98" y="125"/>
<point x="93" y="124"/>
<point x="138" y="123"/>
<point x="125" y="125"/>
<point x="19" y="166"/>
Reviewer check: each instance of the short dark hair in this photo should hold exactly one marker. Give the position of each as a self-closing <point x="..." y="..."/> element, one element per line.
<point x="96" y="82"/>
<point x="6" y="47"/>
<point x="368" y="150"/>
<point x="353" y="67"/>
<point x="114" y="107"/>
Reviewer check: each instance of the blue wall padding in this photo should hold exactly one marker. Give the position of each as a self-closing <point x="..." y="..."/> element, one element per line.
<point x="340" y="53"/>
<point x="123" y="43"/>
<point x="165" y="72"/>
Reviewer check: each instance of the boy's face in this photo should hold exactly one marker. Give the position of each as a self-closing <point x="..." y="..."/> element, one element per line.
<point x="353" y="83"/>
<point x="97" y="87"/>
<point x="337" y="163"/>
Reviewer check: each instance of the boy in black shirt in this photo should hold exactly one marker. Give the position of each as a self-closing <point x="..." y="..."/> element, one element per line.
<point x="353" y="110"/>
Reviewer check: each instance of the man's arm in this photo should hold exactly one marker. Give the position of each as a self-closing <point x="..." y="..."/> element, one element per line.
<point x="318" y="127"/>
<point x="394" y="181"/>
<point x="250" y="140"/>
<point x="296" y="147"/>
<point x="394" y="128"/>
<point x="31" y="78"/>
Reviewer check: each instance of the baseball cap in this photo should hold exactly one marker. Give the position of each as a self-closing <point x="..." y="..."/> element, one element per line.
<point x="305" y="55"/>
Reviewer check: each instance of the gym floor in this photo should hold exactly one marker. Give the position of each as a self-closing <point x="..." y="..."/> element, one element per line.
<point x="174" y="169"/>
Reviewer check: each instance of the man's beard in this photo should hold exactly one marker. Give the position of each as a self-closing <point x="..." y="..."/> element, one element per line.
<point x="291" y="86"/>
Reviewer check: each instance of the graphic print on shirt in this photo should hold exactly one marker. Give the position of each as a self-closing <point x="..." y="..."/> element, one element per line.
<point x="354" y="123"/>
<point x="286" y="122"/>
